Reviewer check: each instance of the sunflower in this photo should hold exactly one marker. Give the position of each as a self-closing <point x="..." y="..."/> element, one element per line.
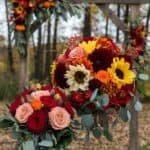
<point x="88" y="46"/>
<point x="121" y="73"/>
<point x="78" y="78"/>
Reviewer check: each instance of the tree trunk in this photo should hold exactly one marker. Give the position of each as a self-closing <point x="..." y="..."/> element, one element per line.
<point x="133" y="132"/>
<point x="54" y="47"/>
<point x="87" y="22"/>
<point x="118" y="14"/>
<point x="147" y="21"/>
<point x="48" y="50"/>
<point x="9" y="48"/>
<point x="126" y="15"/>
<point x="106" y="26"/>
<point x="39" y="57"/>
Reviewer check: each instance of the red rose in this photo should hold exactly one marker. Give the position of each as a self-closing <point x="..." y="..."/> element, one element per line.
<point x="37" y="122"/>
<point x="17" y="102"/>
<point x="87" y="94"/>
<point x="78" y="97"/>
<point x="69" y="108"/>
<point x="48" y="102"/>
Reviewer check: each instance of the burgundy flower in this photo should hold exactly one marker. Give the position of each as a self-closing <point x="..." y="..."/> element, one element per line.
<point x="94" y="84"/>
<point x="77" y="97"/>
<point x="49" y="102"/>
<point x="37" y="122"/>
<point x="87" y="94"/>
<point x="101" y="59"/>
<point x="17" y="101"/>
<point x="59" y="75"/>
<point x="69" y="108"/>
<point x="123" y="97"/>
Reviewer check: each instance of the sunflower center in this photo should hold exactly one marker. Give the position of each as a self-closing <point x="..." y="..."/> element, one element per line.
<point x="119" y="73"/>
<point x="79" y="76"/>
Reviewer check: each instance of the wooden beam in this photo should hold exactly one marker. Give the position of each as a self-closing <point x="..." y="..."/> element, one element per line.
<point x="113" y="1"/>
<point x="114" y="18"/>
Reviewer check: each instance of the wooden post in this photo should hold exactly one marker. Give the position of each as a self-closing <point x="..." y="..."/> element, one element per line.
<point x="24" y="70"/>
<point x="133" y="131"/>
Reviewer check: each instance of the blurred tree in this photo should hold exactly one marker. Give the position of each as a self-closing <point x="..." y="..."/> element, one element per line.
<point x="54" y="46"/>
<point x="9" y="48"/>
<point x="87" y="22"/>
<point x="48" y="49"/>
<point x="39" y="57"/>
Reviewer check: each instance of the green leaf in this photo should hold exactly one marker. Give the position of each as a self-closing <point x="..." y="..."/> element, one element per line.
<point x="94" y="94"/>
<point x="108" y="135"/>
<point x="138" y="106"/>
<point x="46" y="143"/>
<point x="97" y="132"/>
<point x="104" y="99"/>
<point x="6" y="123"/>
<point x="28" y="145"/>
<point x="123" y="114"/>
<point x="64" y="138"/>
<point x="87" y="121"/>
<point x="144" y="77"/>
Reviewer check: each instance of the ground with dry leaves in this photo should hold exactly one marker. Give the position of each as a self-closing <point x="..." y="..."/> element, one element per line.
<point x="120" y="135"/>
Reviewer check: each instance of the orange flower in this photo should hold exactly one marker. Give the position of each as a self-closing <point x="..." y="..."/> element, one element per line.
<point x="36" y="104"/>
<point x="48" y="4"/>
<point x="20" y="27"/>
<point x="19" y="10"/>
<point x="85" y="62"/>
<point x="103" y="76"/>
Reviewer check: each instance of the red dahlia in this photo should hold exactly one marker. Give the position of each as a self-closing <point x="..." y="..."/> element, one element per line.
<point x="37" y="122"/>
<point x="123" y="96"/>
<point x="48" y="102"/>
<point x="101" y="59"/>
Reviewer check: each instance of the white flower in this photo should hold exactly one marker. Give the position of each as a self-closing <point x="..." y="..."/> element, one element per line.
<point x="78" y="78"/>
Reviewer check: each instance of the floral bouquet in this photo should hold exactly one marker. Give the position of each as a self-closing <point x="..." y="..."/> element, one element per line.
<point x="40" y="119"/>
<point x="23" y="8"/>
<point x="99" y="80"/>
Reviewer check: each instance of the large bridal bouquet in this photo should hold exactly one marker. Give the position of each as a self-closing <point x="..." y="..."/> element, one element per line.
<point x="99" y="80"/>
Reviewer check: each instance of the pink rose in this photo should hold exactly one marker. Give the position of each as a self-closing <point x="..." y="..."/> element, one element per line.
<point x="61" y="58"/>
<point x="77" y="53"/>
<point x="23" y="112"/>
<point x="40" y="93"/>
<point x="59" y="118"/>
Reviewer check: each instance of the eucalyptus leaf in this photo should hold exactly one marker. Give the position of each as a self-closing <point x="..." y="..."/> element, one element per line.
<point x="94" y="94"/>
<point x="46" y="143"/>
<point x="28" y="145"/>
<point x="108" y="135"/>
<point x="6" y="123"/>
<point x="104" y="99"/>
<point x="123" y="114"/>
<point x="144" y="77"/>
<point x="87" y="121"/>
<point x="138" y="106"/>
<point x="97" y="132"/>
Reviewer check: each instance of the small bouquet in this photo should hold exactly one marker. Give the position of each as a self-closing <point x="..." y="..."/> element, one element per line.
<point x="40" y="119"/>
<point x="23" y="8"/>
<point x="99" y="80"/>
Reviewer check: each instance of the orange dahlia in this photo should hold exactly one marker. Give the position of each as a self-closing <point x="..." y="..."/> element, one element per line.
<point x="103" y="76"/>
